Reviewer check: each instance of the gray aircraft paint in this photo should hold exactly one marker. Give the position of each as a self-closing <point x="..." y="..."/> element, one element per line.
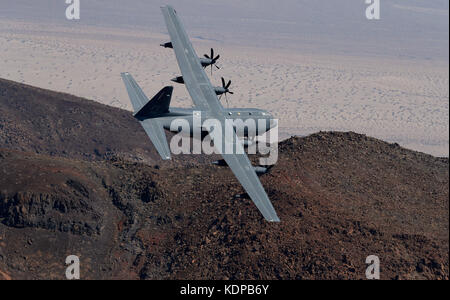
<point x="205" y="101"/>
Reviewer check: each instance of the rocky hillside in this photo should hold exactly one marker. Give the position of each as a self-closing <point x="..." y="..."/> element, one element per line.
<point x="341" y="197"/>
<point x="56" y="124"/>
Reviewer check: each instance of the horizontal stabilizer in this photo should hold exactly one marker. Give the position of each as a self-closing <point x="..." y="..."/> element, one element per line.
<point x="146" y="109"/>
<point x="155" y="131"/>
<point x="137" y="96"/>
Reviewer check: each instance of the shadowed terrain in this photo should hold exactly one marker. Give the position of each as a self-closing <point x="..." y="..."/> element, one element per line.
<point x="341" y="197"/>
<point x="44" y="122"/>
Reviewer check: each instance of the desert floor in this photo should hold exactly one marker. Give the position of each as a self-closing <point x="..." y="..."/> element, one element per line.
<point x="397" y="100"/>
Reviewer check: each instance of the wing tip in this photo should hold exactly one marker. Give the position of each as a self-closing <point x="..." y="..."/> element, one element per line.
<point x="274" y="220"/>
<point x="163" y="153"/>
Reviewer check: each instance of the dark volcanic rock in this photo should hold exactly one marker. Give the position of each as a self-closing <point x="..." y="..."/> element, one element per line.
<point x="50" y="211"/>
<point x="341" y="197"/>
<point x="136" y="221"/>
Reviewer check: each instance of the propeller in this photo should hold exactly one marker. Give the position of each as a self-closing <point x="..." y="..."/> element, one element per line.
<point x="213" y="59"/>
<point x="226" y="87"/>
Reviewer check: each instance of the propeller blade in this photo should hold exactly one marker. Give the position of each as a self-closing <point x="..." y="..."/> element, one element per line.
<point x="231" y="93"/>
<point x="206" y="55"/>
<point x="226" y="98"/>
<point x="216" y="58"/>
<point x="223" y="82"/>
<point x="228" y="85"/>
<point x="212" y="53"/>
<point x="217" y="67"/>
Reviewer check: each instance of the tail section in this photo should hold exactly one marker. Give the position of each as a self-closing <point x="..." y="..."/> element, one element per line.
<point x="147" y="112"/>
<point x="158" y="106"/>
<point x="143" y="107"/>
<point x="155" y="132"/>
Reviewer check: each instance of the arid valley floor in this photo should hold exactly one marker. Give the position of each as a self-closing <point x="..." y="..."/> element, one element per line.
<point x="398" y="99"/>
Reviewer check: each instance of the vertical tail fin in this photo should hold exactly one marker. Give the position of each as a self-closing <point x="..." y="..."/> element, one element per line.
<point x="147" y="111"/>
<point x="143" y="107"/>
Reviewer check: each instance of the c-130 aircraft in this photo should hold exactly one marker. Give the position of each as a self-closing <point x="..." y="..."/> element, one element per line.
<point x="155" y="115"/>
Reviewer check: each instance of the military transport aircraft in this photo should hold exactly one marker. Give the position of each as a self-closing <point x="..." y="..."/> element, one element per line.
<point x="155" y="115"/>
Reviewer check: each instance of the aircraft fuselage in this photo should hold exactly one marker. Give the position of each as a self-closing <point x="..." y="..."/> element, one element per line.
<point x="260" y="118"/>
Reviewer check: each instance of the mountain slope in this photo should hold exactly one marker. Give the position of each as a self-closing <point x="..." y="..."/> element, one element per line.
<point x="58" y="124"/>
<point x="341" y="197"/>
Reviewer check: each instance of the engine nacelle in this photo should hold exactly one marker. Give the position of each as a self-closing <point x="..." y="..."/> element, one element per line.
<point x="261" y="170"/>
<point x="178" y="79"/>
<point x="221" y="163"/>
<point x="258" y="170"/>
<point x="205" y="62"/>
<point x="219" y="90"/>
<point x="167" y="45"/>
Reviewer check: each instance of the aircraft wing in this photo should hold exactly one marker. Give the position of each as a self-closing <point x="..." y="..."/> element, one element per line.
<point x="195" y="78"/>
<point x="242" y="168"/>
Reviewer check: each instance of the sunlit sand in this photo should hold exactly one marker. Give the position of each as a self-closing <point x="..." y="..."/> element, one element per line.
<point x="394" y="100"/>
